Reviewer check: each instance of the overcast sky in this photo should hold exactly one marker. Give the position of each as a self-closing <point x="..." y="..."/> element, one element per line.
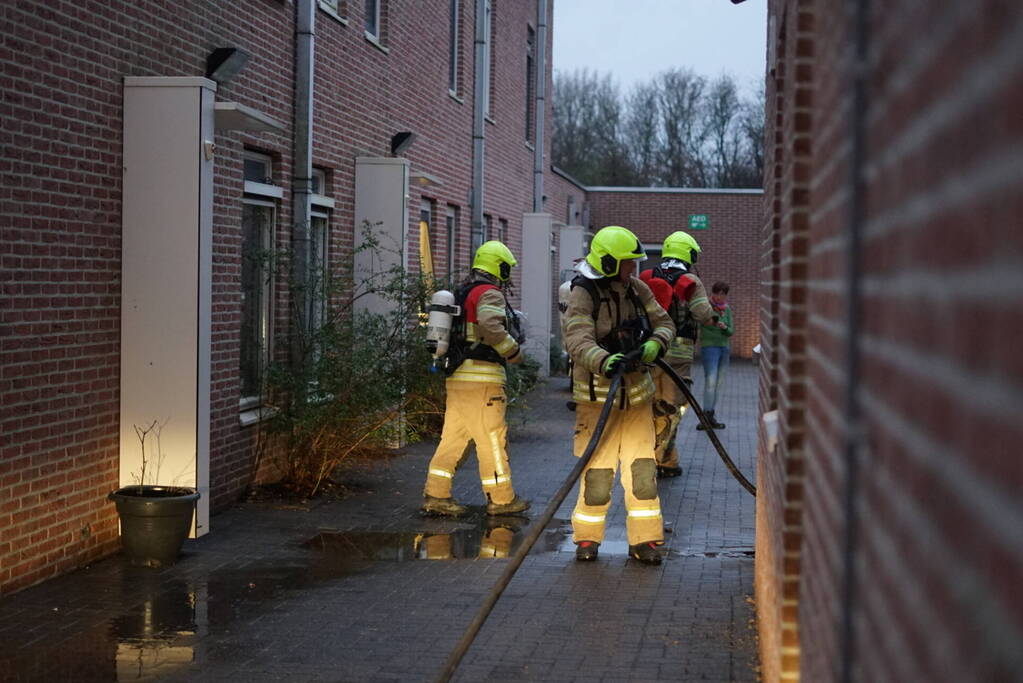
<point x="635" y="39"/>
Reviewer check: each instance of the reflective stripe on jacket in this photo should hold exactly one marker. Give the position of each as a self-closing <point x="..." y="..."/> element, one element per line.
<point x="486" y="322"/>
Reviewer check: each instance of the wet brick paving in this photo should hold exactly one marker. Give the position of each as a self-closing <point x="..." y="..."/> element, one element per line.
<point x="343" y="591"/>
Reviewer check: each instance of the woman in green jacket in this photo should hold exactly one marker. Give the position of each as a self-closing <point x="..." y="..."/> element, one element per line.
<point x="714" y="351"/>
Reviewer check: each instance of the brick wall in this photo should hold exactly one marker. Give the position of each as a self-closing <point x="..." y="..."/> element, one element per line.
<point x="61" y="69"/>
<point x="729" y="248"/>
<point x="937" y="514"/>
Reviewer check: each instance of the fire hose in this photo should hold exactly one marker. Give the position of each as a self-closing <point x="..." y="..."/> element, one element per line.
<point x="537" y="528"/>
<point x="684" y="387"/>
<point x="631" y="360"/>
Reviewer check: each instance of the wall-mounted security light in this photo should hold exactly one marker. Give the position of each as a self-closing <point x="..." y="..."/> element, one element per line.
<point x="224" y="62"/>
<point x="401" y="142"/>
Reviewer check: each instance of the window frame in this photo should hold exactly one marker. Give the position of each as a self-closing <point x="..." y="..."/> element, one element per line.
<point x="265" y="322"/>
<point x="451" y="230"/>
<point x="454" y="47"/>
<point x="488" y="60"/>
<point x="375" y="34"/>
<point x="530" y="83"/>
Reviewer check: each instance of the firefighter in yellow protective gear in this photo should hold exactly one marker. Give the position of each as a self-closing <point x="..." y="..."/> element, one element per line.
<point x="681" y="293"/>
<point x="610" y="314"/>
<point x="476" y="398"/>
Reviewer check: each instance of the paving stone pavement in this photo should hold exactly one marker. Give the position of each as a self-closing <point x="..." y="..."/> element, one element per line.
<point x="343" y="591"/>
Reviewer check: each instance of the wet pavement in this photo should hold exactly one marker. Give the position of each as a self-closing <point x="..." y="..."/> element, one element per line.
<point x="364" y="589"/>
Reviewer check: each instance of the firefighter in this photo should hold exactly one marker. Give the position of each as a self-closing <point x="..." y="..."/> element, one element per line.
<point x="476" y="398"/>
<point x="679" y="291"/>
<point x="610" y="314"/>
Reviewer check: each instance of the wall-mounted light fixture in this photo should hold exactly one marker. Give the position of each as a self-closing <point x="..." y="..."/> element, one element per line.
<point x="224" y="62"/>
<point x="401" y="142"/>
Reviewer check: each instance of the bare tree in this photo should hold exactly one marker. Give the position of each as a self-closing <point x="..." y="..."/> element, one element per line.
<point x="725" y="138"/>
<point x="681" y="95"/>
<point x="642" y="133"/>
<point x="675" y="130"/>
<point x="587" y="118"/>
<point x="751" y="123"/>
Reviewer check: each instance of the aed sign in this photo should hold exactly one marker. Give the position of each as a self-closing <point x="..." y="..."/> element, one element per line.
<point x="699" y="221"/>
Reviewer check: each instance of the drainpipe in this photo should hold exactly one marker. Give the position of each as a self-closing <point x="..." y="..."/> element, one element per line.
<point x="479" y="92"/>
<point x="859" y="14"/>
<point x="301" y="182"/>
<point x="541" y="99"/>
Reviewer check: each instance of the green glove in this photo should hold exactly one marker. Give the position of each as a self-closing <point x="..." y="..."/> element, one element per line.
<point x="651" y="349"/>
<point x="612" y="362"/>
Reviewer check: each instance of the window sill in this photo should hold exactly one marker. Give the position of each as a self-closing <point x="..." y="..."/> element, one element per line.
<point x="247" y="418"/>
<point x="530" y="146"/>
<point x="375" y="41"/>
<point x="327" y="9"/>
<point x="489" y="119"/>
<point x="453" y="95"/>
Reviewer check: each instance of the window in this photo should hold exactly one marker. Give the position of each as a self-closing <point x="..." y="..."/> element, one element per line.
<point x="453" y="46"/>
<point x="319" y="249"/>
<point x="479" y="236"/>
<point x="530" y="81"/>
<point x="259" y="214"/>
<point x="335" y="8"/>
<point x="373" y="19"/>
<point x="570" y="219"/>
<point x="502" y="230"/>
<point x="488" y="56"/>
<point x="451" y="225"/>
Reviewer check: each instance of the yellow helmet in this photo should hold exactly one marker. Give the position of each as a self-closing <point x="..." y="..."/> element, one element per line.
<point x="681" y="245"/>
<point x="494" y="258"/>
<point x="612" y="245"/>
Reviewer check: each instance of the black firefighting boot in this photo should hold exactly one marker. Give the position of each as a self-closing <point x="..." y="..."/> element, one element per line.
<point x="667" y="471"/>
<point x="447" y="507"/>
<point x="586" y="551"/>
<point x="645" y="552"/>
<point x="516" y="506"/>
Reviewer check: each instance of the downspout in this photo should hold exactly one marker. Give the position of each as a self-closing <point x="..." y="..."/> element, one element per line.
<point x="853" y="427"/>
<point x="301" y="182"/>
<point x="479" y="92"/>
<point x="541" y="103"/>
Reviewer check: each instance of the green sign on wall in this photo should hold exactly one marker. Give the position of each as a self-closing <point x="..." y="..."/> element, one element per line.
<point x="699" y="221"/>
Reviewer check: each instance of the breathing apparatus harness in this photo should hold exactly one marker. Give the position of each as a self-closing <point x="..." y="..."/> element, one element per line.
<point x="449" y="342"/>
<point x="626" y="336"/>
<point x="685" y="323"/>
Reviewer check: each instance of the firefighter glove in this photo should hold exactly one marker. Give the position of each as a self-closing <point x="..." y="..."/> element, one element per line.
<point x="613" y="363"/>
<point x="651" y="349"/>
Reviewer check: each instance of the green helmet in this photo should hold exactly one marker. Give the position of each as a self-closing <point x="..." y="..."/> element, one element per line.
<point x="612" y="245"/>
<point x="681" y="245"/>
<point x="494" y="258"/>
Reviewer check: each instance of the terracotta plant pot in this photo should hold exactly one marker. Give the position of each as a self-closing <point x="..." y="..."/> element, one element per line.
<point x="154" y="521"/>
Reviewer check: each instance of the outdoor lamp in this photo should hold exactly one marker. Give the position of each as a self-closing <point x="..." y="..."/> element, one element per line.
<point x="401" y="141"/>
<point x="224" y="62"/>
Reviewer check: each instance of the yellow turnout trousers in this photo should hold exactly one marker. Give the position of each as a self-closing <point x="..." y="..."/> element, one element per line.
<point x="669" y="408"/>
<point x="474" y="411"/>
<point x="628" y="439"/>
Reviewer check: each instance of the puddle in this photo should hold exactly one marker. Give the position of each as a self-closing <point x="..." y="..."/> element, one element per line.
<point x="170" y="627"/>
<point x="490" y="537"/>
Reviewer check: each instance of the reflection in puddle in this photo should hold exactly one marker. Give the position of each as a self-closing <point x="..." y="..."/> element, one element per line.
<point x="160" y="636"/>
<point x="493" y="537"/>
<point x="171" y="627"/>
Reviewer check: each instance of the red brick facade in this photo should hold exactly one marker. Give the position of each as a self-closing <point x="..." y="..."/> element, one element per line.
<point x="61" y="70"/>
<point x="931" y="551"/>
